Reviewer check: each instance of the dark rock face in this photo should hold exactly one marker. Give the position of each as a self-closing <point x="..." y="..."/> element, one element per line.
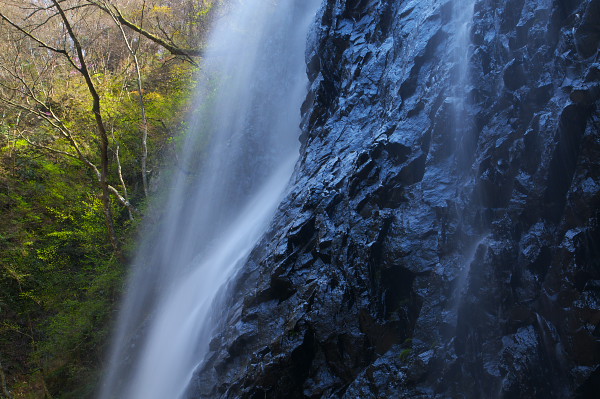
<point x="418" y="254"/>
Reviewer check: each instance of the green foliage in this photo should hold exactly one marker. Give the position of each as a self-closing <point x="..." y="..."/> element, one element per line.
<point x="59" y="280"/>
<point x="405" y="354"/>
<point x="59" y="277"/>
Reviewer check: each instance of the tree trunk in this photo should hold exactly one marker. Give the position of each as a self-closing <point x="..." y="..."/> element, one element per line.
<point x="104" y="161"/>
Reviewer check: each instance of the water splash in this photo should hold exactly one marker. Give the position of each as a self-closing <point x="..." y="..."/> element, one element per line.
<point x="252" y="86"/>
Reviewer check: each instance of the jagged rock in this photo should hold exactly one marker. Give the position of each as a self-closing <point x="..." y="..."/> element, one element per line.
<point x="420" y="254"/>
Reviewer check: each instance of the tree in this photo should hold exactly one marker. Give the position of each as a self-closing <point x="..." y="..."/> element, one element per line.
<point x="85" y="102"/>
<point x="167" y="42"/>
<point x="72" y="51"/>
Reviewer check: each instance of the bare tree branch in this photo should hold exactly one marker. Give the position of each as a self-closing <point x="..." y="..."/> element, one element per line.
<point x="96" y="110"/>
<point x="37" y="40"/>
<point x="120" y="173"/>
<point x="141" y="101"/>
<point x="51" y="118"/>
<point x="186" y="53"/>
<point x="124" y="201"/>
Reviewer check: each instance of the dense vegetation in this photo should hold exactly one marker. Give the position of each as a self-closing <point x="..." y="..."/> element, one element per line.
<point x="92" y="98"/>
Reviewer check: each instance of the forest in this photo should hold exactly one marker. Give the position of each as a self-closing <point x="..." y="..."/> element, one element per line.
<point x="94" y="97"/>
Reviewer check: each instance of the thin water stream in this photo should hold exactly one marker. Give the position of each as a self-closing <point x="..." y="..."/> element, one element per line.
<point x="252" y="85"/>
<point x="463" y="134"/>
<point x="463" y="124"/>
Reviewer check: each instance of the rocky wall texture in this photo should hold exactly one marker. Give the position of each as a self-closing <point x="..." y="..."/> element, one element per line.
<point x="431" y="246"/>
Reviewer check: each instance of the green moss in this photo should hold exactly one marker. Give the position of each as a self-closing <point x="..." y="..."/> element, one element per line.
<point x="405" y="354"/>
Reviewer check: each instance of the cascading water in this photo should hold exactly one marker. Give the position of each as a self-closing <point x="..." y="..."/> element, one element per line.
<point x="463" y="17"/>
<point x="463" y="126"/>
<point x="253" y="83"/>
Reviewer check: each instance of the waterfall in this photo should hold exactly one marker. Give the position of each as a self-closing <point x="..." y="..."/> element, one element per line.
<point x="465" y="140"/>
<point x="463" y="123"/>
<point x="252" y="84"/>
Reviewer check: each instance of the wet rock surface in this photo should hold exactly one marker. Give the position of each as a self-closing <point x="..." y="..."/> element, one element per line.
<point x="421" y="255"/>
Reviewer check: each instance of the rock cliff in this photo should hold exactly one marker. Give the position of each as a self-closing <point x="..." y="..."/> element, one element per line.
<point x="431" y="246"/>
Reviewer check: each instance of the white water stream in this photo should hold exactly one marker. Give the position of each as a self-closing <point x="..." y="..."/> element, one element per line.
<point x="463" y="130"/>
<point x="463" y="124"/>
<point x="252" y="84"/>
